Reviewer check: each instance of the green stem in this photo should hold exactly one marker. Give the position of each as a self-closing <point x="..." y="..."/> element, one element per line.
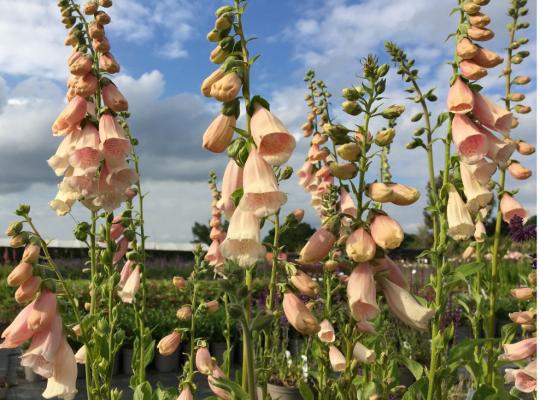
<point x="192" y="331"/>
<point x="227" y="364"/>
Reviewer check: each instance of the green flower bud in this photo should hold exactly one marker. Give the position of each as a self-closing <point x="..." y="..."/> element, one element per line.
<point x="394" y="111"/>
<point x="19" y="240"/>
<point x="383" y="70"/>
<point x="521" y="80"/>
<point x="23" y="210"/>
<point x="343" y="170"/>
<point x="349" y="151"/>
<point x="14" y="228"/>
<point x="227" y="44"/>
<point x="351" y="107"/>
<point x="385" y="137"/>
<point x="350" y="94"/>
<point x="523" y="41"/>
<point x="81" y="231"/>
<point x="416" y="117"/>
<point x="419" y="131"/>
<point x="223" y="10"/>
<point x="224" y="21"/>
<point x="521" y="109"/>
<point x="286" y="173"/>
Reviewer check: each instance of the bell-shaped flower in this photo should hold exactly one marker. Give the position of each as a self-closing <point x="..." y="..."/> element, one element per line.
<point x="525" y="378"/>
<point x="219" y="133"/>
<point x="360" y="246"/>
<point x="215" y="76"/>
<point x="125" y="273"/>
<point x="460" y="97"/>
<point x="59" y="162"/>
<point x="113" y="98"/>
<point x="326" y="334"/>
<point x="510" y="207"/>
<point x="362" y="293"/>
<point x="498" y="150"/>
<point x="184" y="313"/>
<point x="317" y="247"/>
<point x="405" y="307"/>
<point x="471" y="70"/>
<point x="108" y="63"/>
<point x="114" y="143"/>
<point x="492" y="115"/>
<point x="391" y="271"/>
<point x="185" y="394"/>
<point x="80" y="355"/>
<point x="403" y="195"/>
<point x="204" y="362"/>
<point x="460" y="224"/>
<point x="28" y="289"/>
<point x="525" y="148"/>
<point x="169" y="343"/>
<point x="304" y="284"/>
<point x="470" y="141"/>
<point x="79" y="63"/>
<point x="386" y="232"/>
<point x="466" y="49"/>
<point x="520" y="350"/>
<point x="337" y="359"/>
<point x="232" y="181"/>
<point x="85" y="85"/>
<point x="212" y="379"/>
<point x="479" y="232"/>
<point x="41" y="354"/>
<point x="482" y="171"/>
<point x="128" y="292"/>
<point x="363" y="354"/>
<point x="365" y="326"/>
<point x="62" y="384"/>
<point x="86" y="154"/>
<point x="346" y="203"/>
<point x="486" y="58"/>
<point x="522" y="317"/>
<point x="478" y="196"/>
<point x="523" y="293"/>
<point x="274" y="142"/>
<point x="261" y="193"/>
<point x="380" y="192"/>
<point x="70" y="118"/>
<point x="299" y="315"/>
<point x="242" y="243"/>
<point x="20" y="274"/>
<point x="213" y="256"/>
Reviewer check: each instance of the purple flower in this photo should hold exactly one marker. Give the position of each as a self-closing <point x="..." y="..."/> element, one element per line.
<point x="519" y="232"/>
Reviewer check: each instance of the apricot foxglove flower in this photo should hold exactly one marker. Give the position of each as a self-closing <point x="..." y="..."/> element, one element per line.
<point x="226" y="88"/>
<point x="518" y="171"/>
<point x="299" y="315"/>
<point x="525" y="148"/>
<point x="390" y="271"/>
<point x="386" y="232"/>
<point x="219" y="133"/>
<point x="70" y="118"/>
<point x="185" y="394"/>
<point x="471" y="70"/>
<point x="85" y="154"/>
<point x="304" y="284"/>
<point x="169" y="343"/>
<point x="380" y="192"/>
<point x="204" y="362"/>
<point x="460" y="224"/>
<point x="479" y="232"/>
<point x="113" y="98"/>
<point x="18" y="331"/>
<point x="478" y="196"/>
<point x="80" y="355"/>
<point x="482" y="171"/>
<point x="242" y="243"/>
<point x="363" y="354"/>
<point x="523" y="293"/>
<point x="510" y="207"/>
<point x="44" y="311"/>
<point x="405" y="307"/>
<point x="28" y="289"/>
<point x="498" y="151"/>
<point x="62" y="383"/>
<point x="522" y="317"/>
<point x="362" y="293"/>
<point x="470" y="141"/>
<point x="114" y="142"/>
<point x="232" y="181"/>
<point x="491" y="115"/>
<point x="360" y="246"/>
<point x="465" y="49"/>
<point x="219" y="392"/>
<point x="460" y="97"/>
<point x="261" y="193"/>
<point x="486" y="58"/>
<point x="346" y="203"/>
<point x="337" y="359"/>
<point x="317" y="247"/>
<point x="365" y="326"/>
<point x="213" y="255"/>
<point x="403" y="195"/>
<point x="131" y="287"/>
<point x="524" y="378"/>
<point x="41" y="354"/>
<point x="215" y="76"/>
<point x="326" y="334"/>
<point x="519" y="351"/>
<point x="184" y="313"/>
<point x="20" y="274"/>
<point x="274" y="142"/>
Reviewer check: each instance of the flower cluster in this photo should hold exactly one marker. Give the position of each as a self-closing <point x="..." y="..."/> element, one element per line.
<point x="92" y="157"/>
<point x="213" y="255"/>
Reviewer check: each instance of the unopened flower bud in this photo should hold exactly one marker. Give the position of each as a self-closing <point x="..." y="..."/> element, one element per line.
<point x="525" y="148"/>
<point x="286" y="173"/>
<point x="218" y="55"/>
<point x="521" y="109"/>
<point x="14" y="229"/>
<point x="393" y="111"/>
<point x="521" y="80"/>
<point x="330" y="265"/>
<point x="77" y="330"/>
<point x="105" y="3"/>
<point x="212" y="306"/>
<point x="90" y="8"/>
<point x="298" y="214"/>
<point x="385" y="137"/>
<point x="223" y="22"/>
<point x="179" y="282"/>
<point x="343" y="170"/>
<point x="96" y="30"/>
<point x="351" y="107"/>
<point x="19" y="240"/>
<point x="470" y="8"/>
<point x="22" y="210"/>
<point x="169" y="343"/>
<point x="350" y="94"/>
<point x="87" y="306"/>
<point x="184" y="313"/>
<point x="349" y="151"/>
<point x="102" y="18"/>
<point x="531" y="278"/>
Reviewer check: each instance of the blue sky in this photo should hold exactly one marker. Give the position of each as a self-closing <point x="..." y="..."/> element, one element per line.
<point x="164" y="55"/>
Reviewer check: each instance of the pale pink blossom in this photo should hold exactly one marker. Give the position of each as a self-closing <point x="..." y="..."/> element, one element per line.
<point x="232" y="181"/>
<point x="523" y="293"/>
<point x="113" y="98"/>
<point x="492" y="115"/>
<point x="274" y="142"/>
<point x="299" y="315"/>
<point x="261" y="193"/>
<point x="326" y="334"/>
<point x="20" y="274"/>
<point x="70" y="118"/>
<point x="498" y="151"/>
<point x="213" y="256"/>
<point x="41" y="354"/>
<point x="317" y="247"/>
<point x="219" y="133"/>
<point x="169" y="343"/>
<point x="470" y="141"/>
<point x="391" y="271"/>
<point x="362" y="293"/>
<point x="43" y="312"/>
<point x="80" y="355"/>
<point x="460" y="97"/>
<point x="128" y="292"/>
<point x="460" y="224"/>
<point x="243" y="243"/>
<point x="482" y="170"/>
<point x="520" y="350"/>
<point x="85" y="154"/>
<point x="386" y="232"/>
<point x="363" y="354"/>
<point x="304" y="284"/>
<point x="518" y="171"/>
<point x="221" y="393"/>
<point x="360" y="246"/>
<point x="478" y="196"/>
<point x="346" y="203"/>
<point x="510" y="207"/>
<point x="365" y="326"/>
<point x="337" y="359"/>
<point x="18" y="331"/>
<point x="113" y="141"/>
<point x="185" y="394"/>
<point x="522" y="317"/>
<point x="204" y="362"/>
<point x="62" y="384"/>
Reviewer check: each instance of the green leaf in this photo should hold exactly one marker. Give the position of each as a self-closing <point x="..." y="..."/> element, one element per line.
<point x="465" y="270"/>
<point x="412" y="365"/>
<point x="143" y="392"/>
<point x="305" y="390"/>
<point x="484" y="392"/>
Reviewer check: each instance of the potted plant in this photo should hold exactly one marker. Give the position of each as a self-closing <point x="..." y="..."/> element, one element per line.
<point x="288" y="371"/>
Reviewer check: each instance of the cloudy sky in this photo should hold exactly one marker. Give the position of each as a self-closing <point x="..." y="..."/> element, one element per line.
<point x="164" y="55"/>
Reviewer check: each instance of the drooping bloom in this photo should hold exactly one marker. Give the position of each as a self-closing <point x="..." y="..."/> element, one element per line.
<point x="274" y="142"/>
<point x="491" y="115"/>
<point x="510" y="207"/>
<point x="470" y="141"/>
<point x="522" y="317"/>
<point x="299" y="315"/>
<point x="337" y="359"/>
<point x="471" y="70"/>
<point x="498" y="151"/>
<point x="386" y="232"/>
<point x="204" y="362"/>
<point x="80" y="355"/>
<point x="43" y="312"/>
<point x="380" y="192"/>
<point x="219" y="392"/>
<point x="169" y="343"/>
<point x="261" y="193"/>
<point x="129" y="290"/>
<point x="520" y="350"/>
<point x="306" y="177"/>
<point x="518" y="171"/>
<point x="326" y="334"/>
<point x="304" y="283"/>
<point x="317" y="247"/>
<point x="18" y="331"/>
<point x="232" y="180"/>
<point x="391" y="271"/>
<point x="219" y="133"/>
<point x="362" y="293"/>
<point x="365" y="326"/>
<point x="524" y="378"/>
<point x="360" y="246"/>
<point x="185" y="394"/>
<point x="114" y="142"/>
<point x="242" y="243"/>
<point x="346" y="203"/>
<point x="226" y="88"/>
<point x="478" y="196"/>
<point x="460" y="224"/>
<point x="486" y="58"/>
<point x="522" y="293"/>
<point x="20" y="274"/>
<point x="41" y="354"/>
<point x="113" y="98"/>
<point x="184" y="313"/>
<point x="363" y="354"/>
<point x="482" y="170"/>
<point x="28" y="289"/>
<point x="70" y="118"/>
<point x="405" y="307"/>
<point x="460" y="97"/>
<point x="213" y="256"/>
<point x="62" y="384"/>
